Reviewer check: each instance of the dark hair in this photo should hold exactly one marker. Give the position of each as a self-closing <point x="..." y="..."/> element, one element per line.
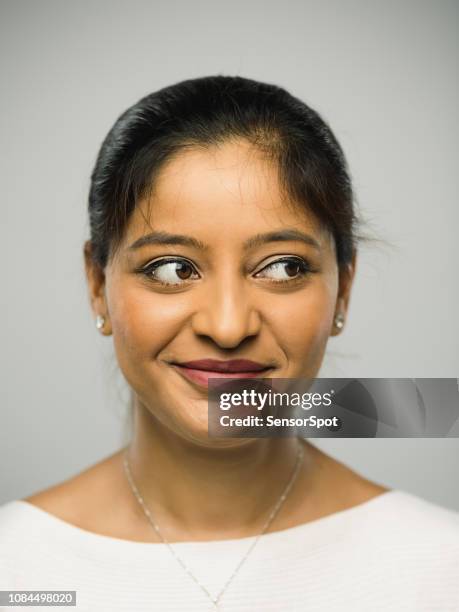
<point x="207" y="111"/>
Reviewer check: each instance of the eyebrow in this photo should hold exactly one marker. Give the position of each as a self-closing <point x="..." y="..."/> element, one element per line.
<point x="165" y="238"/>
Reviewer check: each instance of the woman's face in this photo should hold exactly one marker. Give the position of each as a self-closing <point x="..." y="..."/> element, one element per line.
<point x="229" y="291"/>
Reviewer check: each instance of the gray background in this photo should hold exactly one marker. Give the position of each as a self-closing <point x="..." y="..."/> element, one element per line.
<point x="383" y="74"/>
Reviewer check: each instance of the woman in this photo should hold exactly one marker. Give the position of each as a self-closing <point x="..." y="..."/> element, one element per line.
<point x="223" y="243"/>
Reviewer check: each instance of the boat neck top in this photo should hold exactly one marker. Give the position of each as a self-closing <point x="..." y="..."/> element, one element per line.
<point x="395" y="551"/>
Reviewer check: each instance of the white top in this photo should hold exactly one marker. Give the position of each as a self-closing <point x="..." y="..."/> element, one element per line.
<point x="394" y="552"/>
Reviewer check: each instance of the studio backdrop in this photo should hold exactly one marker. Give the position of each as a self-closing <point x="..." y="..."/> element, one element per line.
<point x="383" y="74"/>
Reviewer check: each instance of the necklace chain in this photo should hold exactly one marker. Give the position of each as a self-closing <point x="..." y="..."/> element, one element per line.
<point x="272" y="515"/>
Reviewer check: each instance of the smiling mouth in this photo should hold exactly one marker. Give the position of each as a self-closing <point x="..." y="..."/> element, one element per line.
<point x="201" y="377"/>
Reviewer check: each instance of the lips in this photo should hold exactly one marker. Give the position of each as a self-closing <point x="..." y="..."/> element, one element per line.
<point x="200" y="371"/>
<point x="233" y="366"/>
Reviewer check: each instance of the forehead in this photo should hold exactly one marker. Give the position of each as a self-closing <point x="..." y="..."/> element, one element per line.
<point x="229" y="191"/>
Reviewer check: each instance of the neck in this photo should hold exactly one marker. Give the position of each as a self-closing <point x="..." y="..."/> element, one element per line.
<point x="197" y="492"/>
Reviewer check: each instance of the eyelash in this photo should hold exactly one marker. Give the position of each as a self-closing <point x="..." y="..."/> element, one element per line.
<point x="304" y="270"/>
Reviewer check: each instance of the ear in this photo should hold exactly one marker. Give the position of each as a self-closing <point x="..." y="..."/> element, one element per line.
<point x="95" y="277"/>
<point x="346" y="278"/>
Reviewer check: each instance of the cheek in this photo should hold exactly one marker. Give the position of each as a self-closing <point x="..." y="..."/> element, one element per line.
<point x="303" y="323"/>
<point x="143" y="322"/>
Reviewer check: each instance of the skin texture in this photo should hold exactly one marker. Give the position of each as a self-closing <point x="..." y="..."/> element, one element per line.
<point x="228" y="303"/>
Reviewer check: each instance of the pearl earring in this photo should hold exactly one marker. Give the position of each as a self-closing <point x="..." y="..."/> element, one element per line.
<point x="339" y="320"/>
<point x="100" y="321"/>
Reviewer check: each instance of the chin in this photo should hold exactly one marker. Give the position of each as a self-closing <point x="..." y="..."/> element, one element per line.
<point x="196" y="433"/>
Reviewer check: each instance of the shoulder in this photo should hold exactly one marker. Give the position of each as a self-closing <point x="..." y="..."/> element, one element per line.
<point x="26" y="542"/>
<point x="407" y="529"/>
<point x="391" y="513"/>
<point x="409" y="512"/>
<point x="78" y="501"/>
<point x="39" y="533"/>
<point x="14" y="517"/>
<point x="416" y="544"/>
<point x="393" y="522"/>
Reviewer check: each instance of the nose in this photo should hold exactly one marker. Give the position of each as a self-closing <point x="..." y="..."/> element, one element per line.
<point x="226" y="312"/>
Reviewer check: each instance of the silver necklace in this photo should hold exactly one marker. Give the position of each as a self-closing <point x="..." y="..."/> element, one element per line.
<point x="274" y="511"/>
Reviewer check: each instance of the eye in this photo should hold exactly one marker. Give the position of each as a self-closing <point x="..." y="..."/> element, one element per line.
<point x="288" y="269"/>
<point x="166" y="271"/>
